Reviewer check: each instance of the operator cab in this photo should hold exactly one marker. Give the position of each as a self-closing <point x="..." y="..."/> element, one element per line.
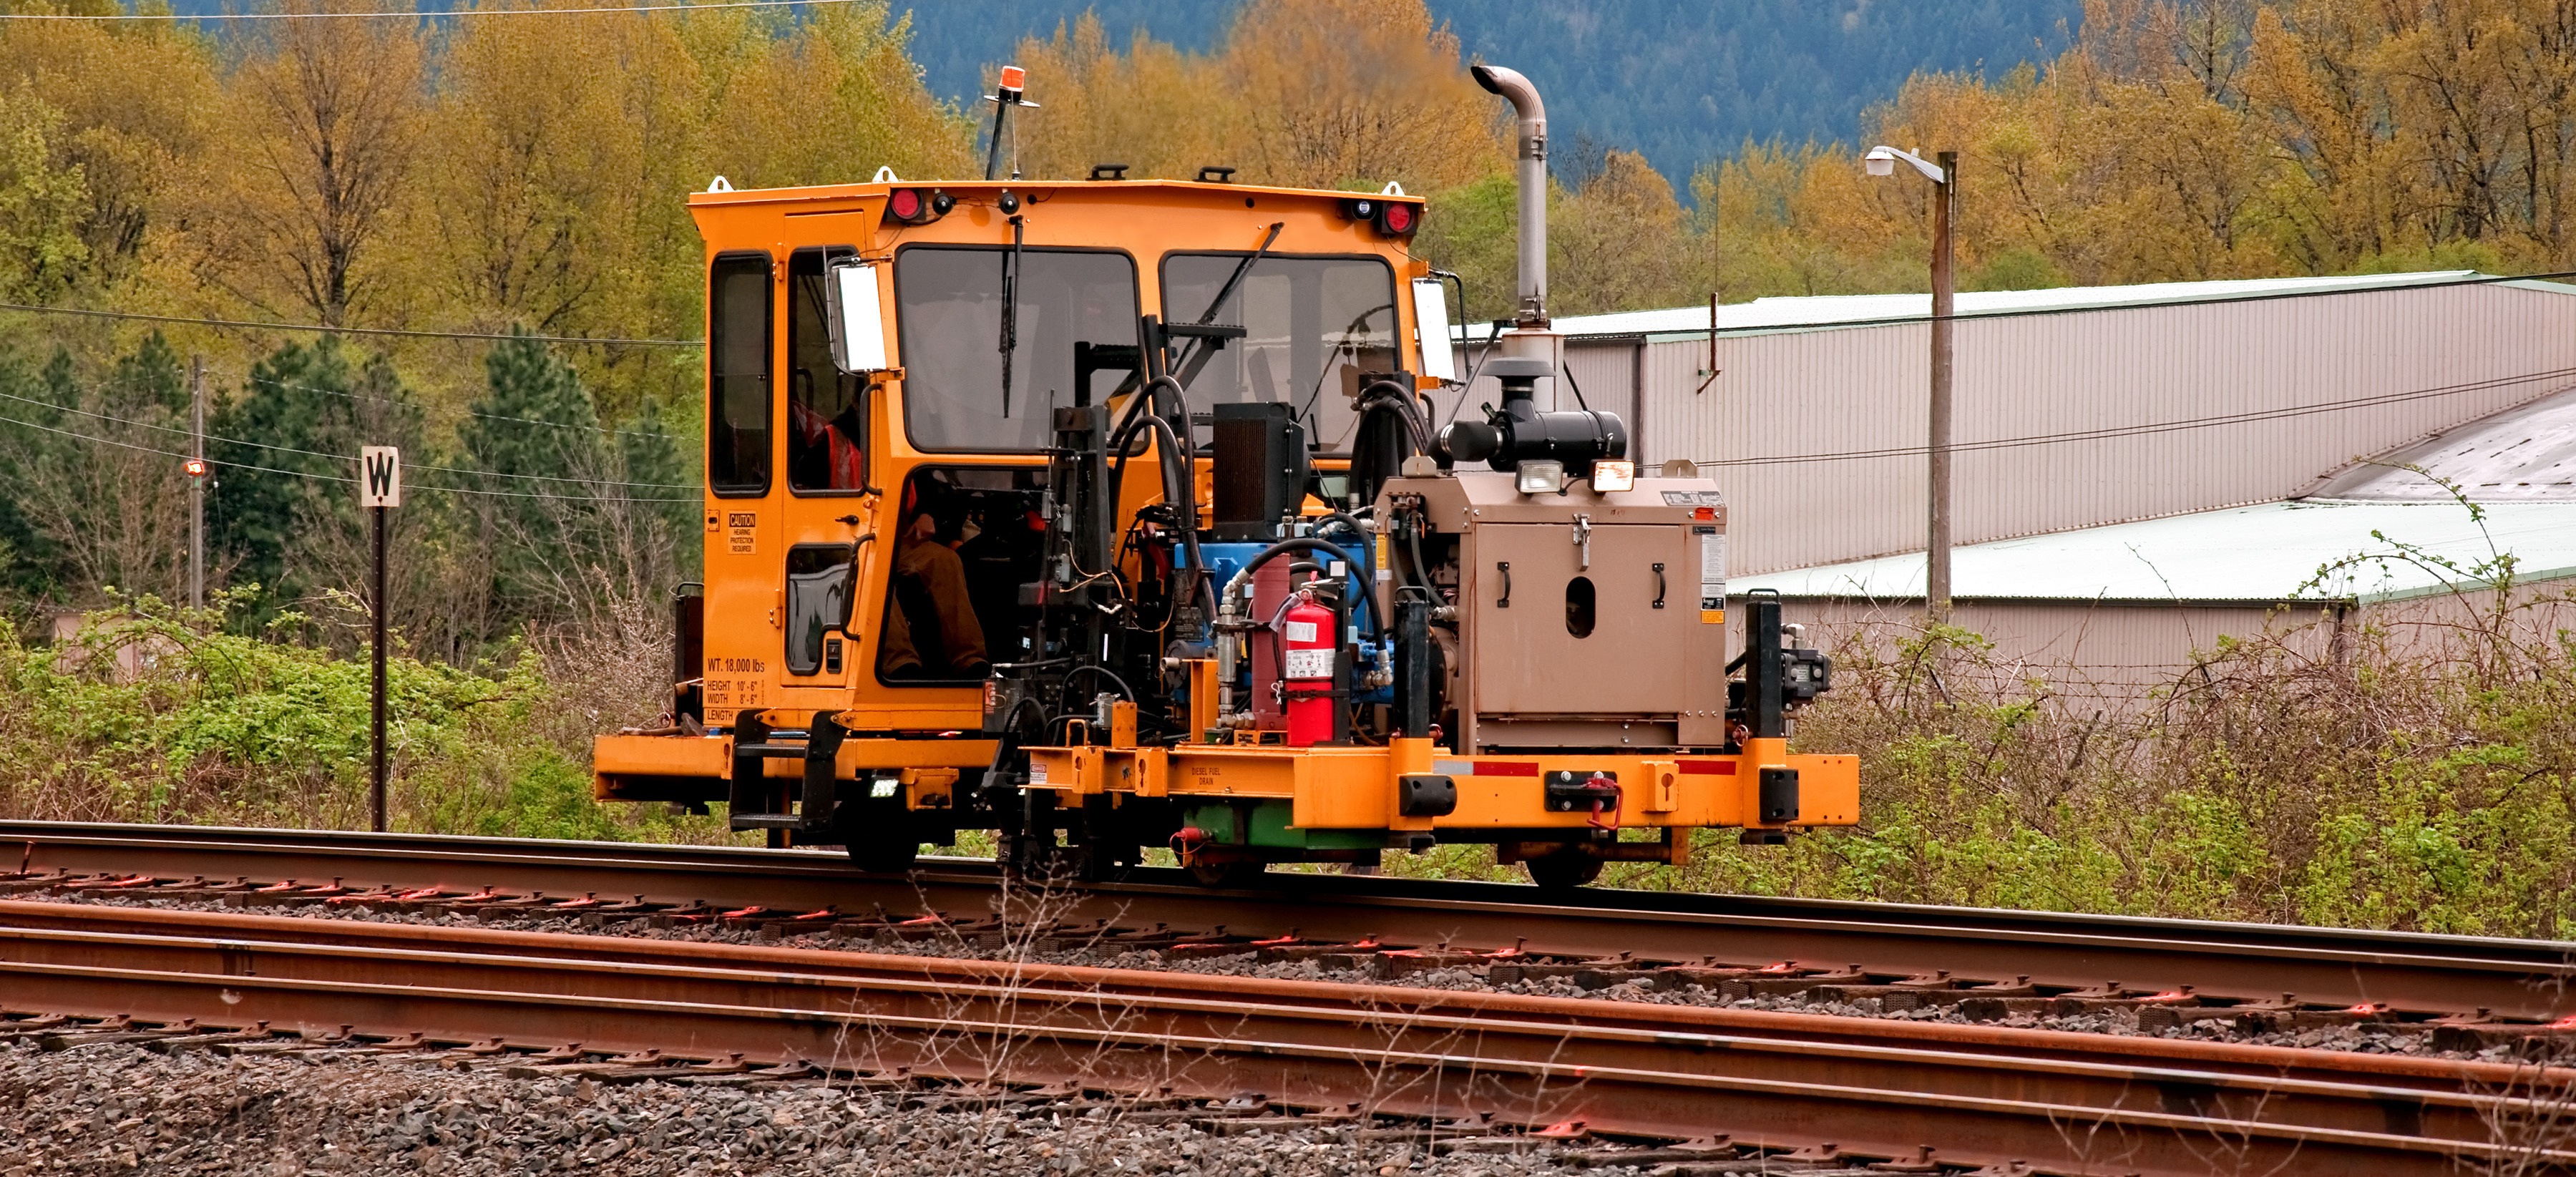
<point x="874" y="529"/>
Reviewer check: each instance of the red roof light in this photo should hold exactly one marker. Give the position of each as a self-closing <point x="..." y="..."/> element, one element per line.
<point x="917" y="206"/>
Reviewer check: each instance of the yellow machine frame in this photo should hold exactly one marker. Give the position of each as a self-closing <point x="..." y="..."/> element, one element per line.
<point x="924" y="739"/>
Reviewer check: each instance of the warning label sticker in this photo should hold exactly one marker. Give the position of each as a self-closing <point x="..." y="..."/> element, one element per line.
<point x="1712" y="568"/>
<point x="743" y="533"/>
<point x="1301" y="631"/>
<point x="1310" y="663"/>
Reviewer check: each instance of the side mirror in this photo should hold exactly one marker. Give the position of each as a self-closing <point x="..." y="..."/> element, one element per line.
<point x="855" y="317"/>
<point x="1431" y="330"/>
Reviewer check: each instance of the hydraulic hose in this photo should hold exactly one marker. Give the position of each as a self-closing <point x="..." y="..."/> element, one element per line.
<point x="1391" y="396"/>
<point x="1145" y="396"/>
<point x="1179" y="488"/>
<point x="1305" y="543"/>
<point x="1345" y="519"/>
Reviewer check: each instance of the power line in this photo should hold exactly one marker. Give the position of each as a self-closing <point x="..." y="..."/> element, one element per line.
<point x="321" y="329"/>
<point x="2153" y="427"/>
<point x="342" y="478"/>
<point x="112" y="420"/>
<point x="412" y="15"/>
<point x="386" y="400"/>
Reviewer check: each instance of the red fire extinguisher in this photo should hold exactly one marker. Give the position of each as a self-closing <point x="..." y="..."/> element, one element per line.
<point x="1308" y="641"/>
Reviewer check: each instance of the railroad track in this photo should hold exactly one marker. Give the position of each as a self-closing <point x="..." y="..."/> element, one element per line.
<point x="2471" y="991"/>
<point x="1979" y="1095"/>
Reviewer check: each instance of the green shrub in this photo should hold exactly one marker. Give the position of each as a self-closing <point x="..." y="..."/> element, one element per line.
<point x="154" y="714"/>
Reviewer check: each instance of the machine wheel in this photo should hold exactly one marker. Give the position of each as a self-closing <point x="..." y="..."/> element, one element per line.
<point x="1027" y="857"/>
<point x="1105" y="864"/>
<point x="1227" y="873"/>
<point x="1031" y="852"/>
<point x="1095" y="851"/>
<point x="1563" y="870"/>
<point x="888" y="848"/>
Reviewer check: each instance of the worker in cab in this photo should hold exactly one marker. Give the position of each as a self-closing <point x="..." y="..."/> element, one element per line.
<point x="824" y="453"/>
<point x="931" y="629"/>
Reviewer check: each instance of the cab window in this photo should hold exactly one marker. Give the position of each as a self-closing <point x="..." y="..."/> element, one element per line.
<point x="1073" y="308"/>
<point x="1312" y="326"/>
<point x="818" y="602"/>
<point x="738" y="377"/>
<point x="826" y="408"/>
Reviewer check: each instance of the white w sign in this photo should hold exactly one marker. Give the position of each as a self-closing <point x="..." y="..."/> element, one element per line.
<point x="379" y="476"/>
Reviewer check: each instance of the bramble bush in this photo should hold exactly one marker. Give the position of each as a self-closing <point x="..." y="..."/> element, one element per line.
<point x="2417" y="778"/>
<point x="160" y="714"/>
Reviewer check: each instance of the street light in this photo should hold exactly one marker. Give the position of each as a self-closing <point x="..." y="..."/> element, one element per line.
<point x="1881" y="161"/>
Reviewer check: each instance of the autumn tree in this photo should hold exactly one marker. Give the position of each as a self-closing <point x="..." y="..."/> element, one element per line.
<point x="1159" y="111"/>
<point x="829" y="101"/>
<point x="44" y="198"/>
<point x="1623" y="240"/>
<point x="135" y="146"/>
<point x="1311" y="93"/>
<point x="1338" y="93"/>
<point x="322" y="119"/>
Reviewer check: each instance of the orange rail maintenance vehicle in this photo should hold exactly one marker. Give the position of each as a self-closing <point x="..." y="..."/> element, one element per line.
<point x="1111" y="514"/>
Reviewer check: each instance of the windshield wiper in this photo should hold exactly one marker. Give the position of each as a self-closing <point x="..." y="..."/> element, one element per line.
<point x="1010" y="311"/>
<point x="1204" y="344"/>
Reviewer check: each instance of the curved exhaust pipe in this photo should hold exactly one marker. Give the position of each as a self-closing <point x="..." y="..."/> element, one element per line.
<point x="1532" y="122"/>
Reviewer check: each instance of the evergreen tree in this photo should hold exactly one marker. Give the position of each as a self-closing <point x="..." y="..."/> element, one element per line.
<point x="284" y="504"/>
<point x="584" y="508"/>
<point x="92" y="488"/>
<point x="31" y="563"/>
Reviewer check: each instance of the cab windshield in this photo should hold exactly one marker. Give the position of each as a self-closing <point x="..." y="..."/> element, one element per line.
<point x="1075" y="341"/>
<point x="1312" y="326"/>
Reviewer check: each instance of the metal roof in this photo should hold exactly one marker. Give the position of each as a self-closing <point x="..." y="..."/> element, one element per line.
<point x="2268" y="552"/>
<point x="2524" y="454"/>
<point x="1819" y="311"/>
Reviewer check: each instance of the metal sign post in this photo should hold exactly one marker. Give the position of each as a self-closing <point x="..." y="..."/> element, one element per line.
<point x="379" y="491"/>
<point x="196" y="467"/>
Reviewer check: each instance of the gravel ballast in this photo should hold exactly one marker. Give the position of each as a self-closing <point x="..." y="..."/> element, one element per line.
<point x="115" y="1108"/>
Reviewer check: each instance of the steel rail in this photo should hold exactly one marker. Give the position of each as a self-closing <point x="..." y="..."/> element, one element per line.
<point x="2522" y="979"/>
<point x="2070" y="1102"/>
<point x="244" y="933"/>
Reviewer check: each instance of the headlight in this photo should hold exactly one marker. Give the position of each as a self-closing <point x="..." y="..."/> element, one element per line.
<point x="1540" y="476"/>
<point x="1608" y="475"/>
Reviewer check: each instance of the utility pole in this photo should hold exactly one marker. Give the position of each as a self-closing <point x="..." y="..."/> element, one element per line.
<point x="1936" y="556"/>
<point x="1881" y="161"/>
<point x="379" y="492"/>
<point x="197" y="482"/>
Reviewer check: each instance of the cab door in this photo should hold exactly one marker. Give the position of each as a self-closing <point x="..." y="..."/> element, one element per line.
<point x="823" y="416"/>
<point x="742" y="546"/>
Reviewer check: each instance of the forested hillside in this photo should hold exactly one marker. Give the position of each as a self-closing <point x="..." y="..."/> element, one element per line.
<point x="1678" y="81"/>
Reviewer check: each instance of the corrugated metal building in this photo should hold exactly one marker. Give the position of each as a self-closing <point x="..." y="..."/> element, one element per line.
<point x="2074" y="407"/>
<point x="2425" y="533"/>
<point x="2126" y="456"/>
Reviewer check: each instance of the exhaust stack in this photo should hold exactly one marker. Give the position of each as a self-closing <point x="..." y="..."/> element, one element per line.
<point x="1531" y="119"/>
